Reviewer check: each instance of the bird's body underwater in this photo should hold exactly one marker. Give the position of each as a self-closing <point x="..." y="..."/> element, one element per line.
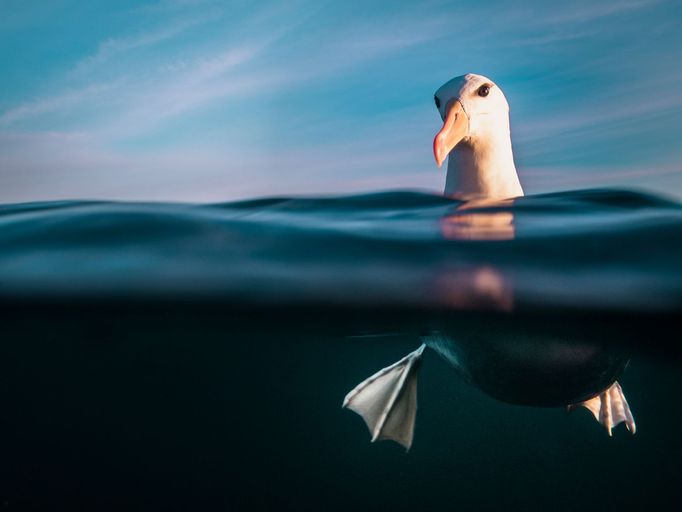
<point x="556" y="367"/>
<point x="525" y="369"/>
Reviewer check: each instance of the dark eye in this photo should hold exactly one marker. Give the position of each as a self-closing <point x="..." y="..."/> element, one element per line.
<point x="435" y="98"/>
<point x="483" y="90"/>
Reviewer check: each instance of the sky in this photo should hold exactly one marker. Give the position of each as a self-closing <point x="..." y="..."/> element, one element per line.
<point x="206" y="101"/>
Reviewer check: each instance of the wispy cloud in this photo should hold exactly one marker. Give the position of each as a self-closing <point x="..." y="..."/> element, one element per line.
<point x="179" y="86"/>
<point x="163" y="6"/>
<point x="62" y="101"/>
<point x="596" y="118"/>
<point x="188" y="86"/>
<point x="597" y="10"/>
<point x="554" y="36"/>
<point x="90" y="170"/>
<point x="115" y="46"/>
<point x="648" y="177"/>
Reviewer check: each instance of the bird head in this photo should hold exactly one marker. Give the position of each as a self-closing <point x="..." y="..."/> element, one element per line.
<point x="473" y="109"/>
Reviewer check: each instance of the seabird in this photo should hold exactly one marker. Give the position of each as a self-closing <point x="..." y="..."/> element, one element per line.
<point x="475" y="138"/>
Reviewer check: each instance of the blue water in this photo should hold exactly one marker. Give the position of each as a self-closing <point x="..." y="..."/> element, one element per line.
<point x="166" y="356"/>
<point x="587" y="249"/>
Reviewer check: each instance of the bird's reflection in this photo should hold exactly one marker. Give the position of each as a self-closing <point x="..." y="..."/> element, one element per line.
<point x="471" y="221"/>
<point x="477" y="287"/>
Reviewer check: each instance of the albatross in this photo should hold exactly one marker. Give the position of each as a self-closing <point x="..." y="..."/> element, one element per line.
<point x="475" y="138"/>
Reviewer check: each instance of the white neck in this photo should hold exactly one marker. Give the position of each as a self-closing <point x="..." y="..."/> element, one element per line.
<point x="482" y="166"/>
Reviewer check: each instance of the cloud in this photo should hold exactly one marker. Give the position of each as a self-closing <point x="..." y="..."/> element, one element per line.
<point x="54" y="165"/>
<point x="178" y="86"/>
<point x="597" y="120"/>
<point x="115" y="46"/>
<point x="164" y="6"/>
<point x="63" y="101"/>
<point x="646" y="177"/>
<point x="555" y="36"/>
<point x="597" y="10"/>
<point x="182" y="89"/>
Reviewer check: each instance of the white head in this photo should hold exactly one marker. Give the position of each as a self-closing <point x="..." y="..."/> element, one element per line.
<point x="475" y="135"/>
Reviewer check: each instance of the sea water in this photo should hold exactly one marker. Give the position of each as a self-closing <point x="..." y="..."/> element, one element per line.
<point x="183" y="356"/>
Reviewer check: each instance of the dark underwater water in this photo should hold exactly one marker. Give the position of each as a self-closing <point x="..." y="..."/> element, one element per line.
<point x="176" y="356"/>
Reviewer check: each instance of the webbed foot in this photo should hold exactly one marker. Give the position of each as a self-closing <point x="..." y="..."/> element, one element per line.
<point x="387" y="400"/>
<point x="609" y="408"/>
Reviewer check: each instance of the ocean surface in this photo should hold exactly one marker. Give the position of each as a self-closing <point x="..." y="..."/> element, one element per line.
<point x="160" y="356"/>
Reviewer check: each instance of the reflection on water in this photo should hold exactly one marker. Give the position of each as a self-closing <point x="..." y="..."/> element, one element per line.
<point x="466" y="223"/>
<point x="194" y="356"/>
<point x="479" y="287"/>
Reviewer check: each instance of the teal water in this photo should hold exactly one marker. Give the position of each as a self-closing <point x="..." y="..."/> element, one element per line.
<point x="174" y="356"/>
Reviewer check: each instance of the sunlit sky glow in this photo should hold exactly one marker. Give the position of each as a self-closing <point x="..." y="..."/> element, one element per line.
<point x="197" y="100"/>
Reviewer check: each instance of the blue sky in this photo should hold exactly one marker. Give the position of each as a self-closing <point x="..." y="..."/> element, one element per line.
<point x="196" y="100"/>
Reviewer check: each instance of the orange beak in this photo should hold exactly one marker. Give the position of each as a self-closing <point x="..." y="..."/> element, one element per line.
<point x="455" y="128"/>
